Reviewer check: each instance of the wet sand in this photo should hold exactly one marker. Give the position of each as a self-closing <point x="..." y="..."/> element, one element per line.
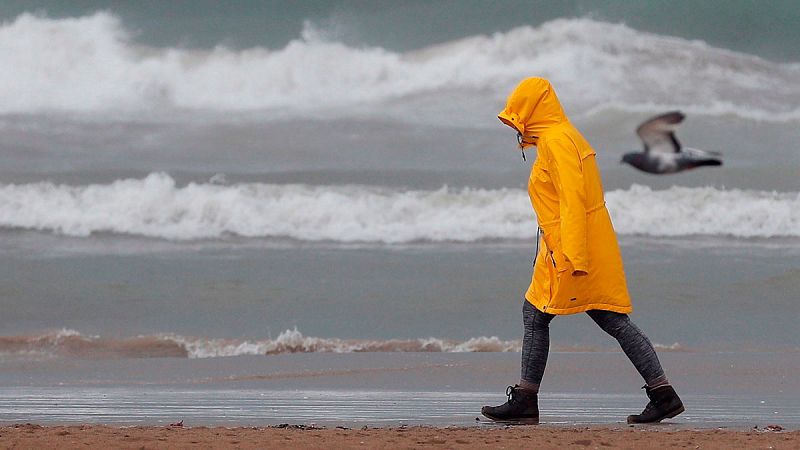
<point x="735" y="391"/>
<point x="282" y="437"/>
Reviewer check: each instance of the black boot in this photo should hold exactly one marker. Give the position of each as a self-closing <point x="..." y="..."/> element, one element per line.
<point x="522" y="406"/>
<point x="664" y="404"/>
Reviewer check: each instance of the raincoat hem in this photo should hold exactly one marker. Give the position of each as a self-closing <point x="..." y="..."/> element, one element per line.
<point x="579" y="309"/>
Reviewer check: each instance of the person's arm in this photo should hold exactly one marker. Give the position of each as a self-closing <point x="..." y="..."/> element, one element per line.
<point x="566" y="171"/>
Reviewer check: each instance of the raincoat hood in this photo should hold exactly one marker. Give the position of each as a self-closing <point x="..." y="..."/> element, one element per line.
<point x="532" y="107"/>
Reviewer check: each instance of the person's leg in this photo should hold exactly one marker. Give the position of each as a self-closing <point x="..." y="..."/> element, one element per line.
<point x="535" y="346"/>
<point x="664" y="402"/>
<point x="634" y="343"/>
<point x="523" y="400"/>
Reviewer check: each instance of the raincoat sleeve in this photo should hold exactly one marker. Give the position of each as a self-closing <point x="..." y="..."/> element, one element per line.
<point x="566" y="171"/>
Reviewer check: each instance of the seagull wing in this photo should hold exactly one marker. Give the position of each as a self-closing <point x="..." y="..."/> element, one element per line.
<point x="697" y="153"/>
<point x="658" y="133"/>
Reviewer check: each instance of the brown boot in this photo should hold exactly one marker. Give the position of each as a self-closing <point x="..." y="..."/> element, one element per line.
<point x="664" y="404"/>
<point x="522" y="407"/>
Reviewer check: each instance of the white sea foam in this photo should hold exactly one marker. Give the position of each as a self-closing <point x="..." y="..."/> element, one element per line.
<point x="293" y="341"/>
<point x="156" y="207"/>
<point x="91" y="64"/>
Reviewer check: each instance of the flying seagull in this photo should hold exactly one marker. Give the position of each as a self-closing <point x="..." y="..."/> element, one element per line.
<point x="662" y="151"/>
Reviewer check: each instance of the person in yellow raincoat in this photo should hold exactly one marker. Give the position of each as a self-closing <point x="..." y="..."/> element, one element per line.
<point x="578" y="266"/>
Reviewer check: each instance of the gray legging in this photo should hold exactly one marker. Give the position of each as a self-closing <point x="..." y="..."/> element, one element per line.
<point x="536" y="343"/>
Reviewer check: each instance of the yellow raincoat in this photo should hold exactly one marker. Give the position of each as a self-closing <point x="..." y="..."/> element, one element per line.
<point x="579" y="266"/>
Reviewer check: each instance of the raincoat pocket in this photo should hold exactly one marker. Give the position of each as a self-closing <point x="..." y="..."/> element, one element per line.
<point x="557" y="258"/>
<point x="560" y="262"/>
<point x="566" y="290"/>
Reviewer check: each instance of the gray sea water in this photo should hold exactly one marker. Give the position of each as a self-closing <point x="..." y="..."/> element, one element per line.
<point x="242" y="189"/>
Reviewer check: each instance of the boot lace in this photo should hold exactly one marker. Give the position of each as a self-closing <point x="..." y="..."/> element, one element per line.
<point x="511" y="392"/>
<point x="651" y="405"/>
<point x="649" y="408"/>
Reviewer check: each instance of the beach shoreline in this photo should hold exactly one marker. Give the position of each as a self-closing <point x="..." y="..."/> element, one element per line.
<point x="732" y="390"/>
<point x="311" y="437"/>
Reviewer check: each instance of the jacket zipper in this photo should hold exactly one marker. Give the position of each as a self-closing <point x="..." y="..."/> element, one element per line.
<point x="536" y="255"/>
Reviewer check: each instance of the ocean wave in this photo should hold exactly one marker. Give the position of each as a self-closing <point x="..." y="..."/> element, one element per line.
<point x="92" y="64"/>
<point x="72" y="344"/>
<point x="684" y="211"/>
<point x="157" y="207"/>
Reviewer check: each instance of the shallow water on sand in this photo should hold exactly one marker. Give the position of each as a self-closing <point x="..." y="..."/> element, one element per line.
<point x="735" y="390"/>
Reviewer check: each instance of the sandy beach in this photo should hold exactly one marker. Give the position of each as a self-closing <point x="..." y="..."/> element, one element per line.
<point x="543" y="437"/>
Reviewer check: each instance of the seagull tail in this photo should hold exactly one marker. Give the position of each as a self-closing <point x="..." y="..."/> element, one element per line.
<point x="705" y="162"/>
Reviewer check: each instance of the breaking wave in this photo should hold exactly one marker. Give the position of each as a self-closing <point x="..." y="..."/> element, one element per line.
<point x="157" y="207"/>
<point x="92" y="64"/>
<point x="72" y="344"/>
